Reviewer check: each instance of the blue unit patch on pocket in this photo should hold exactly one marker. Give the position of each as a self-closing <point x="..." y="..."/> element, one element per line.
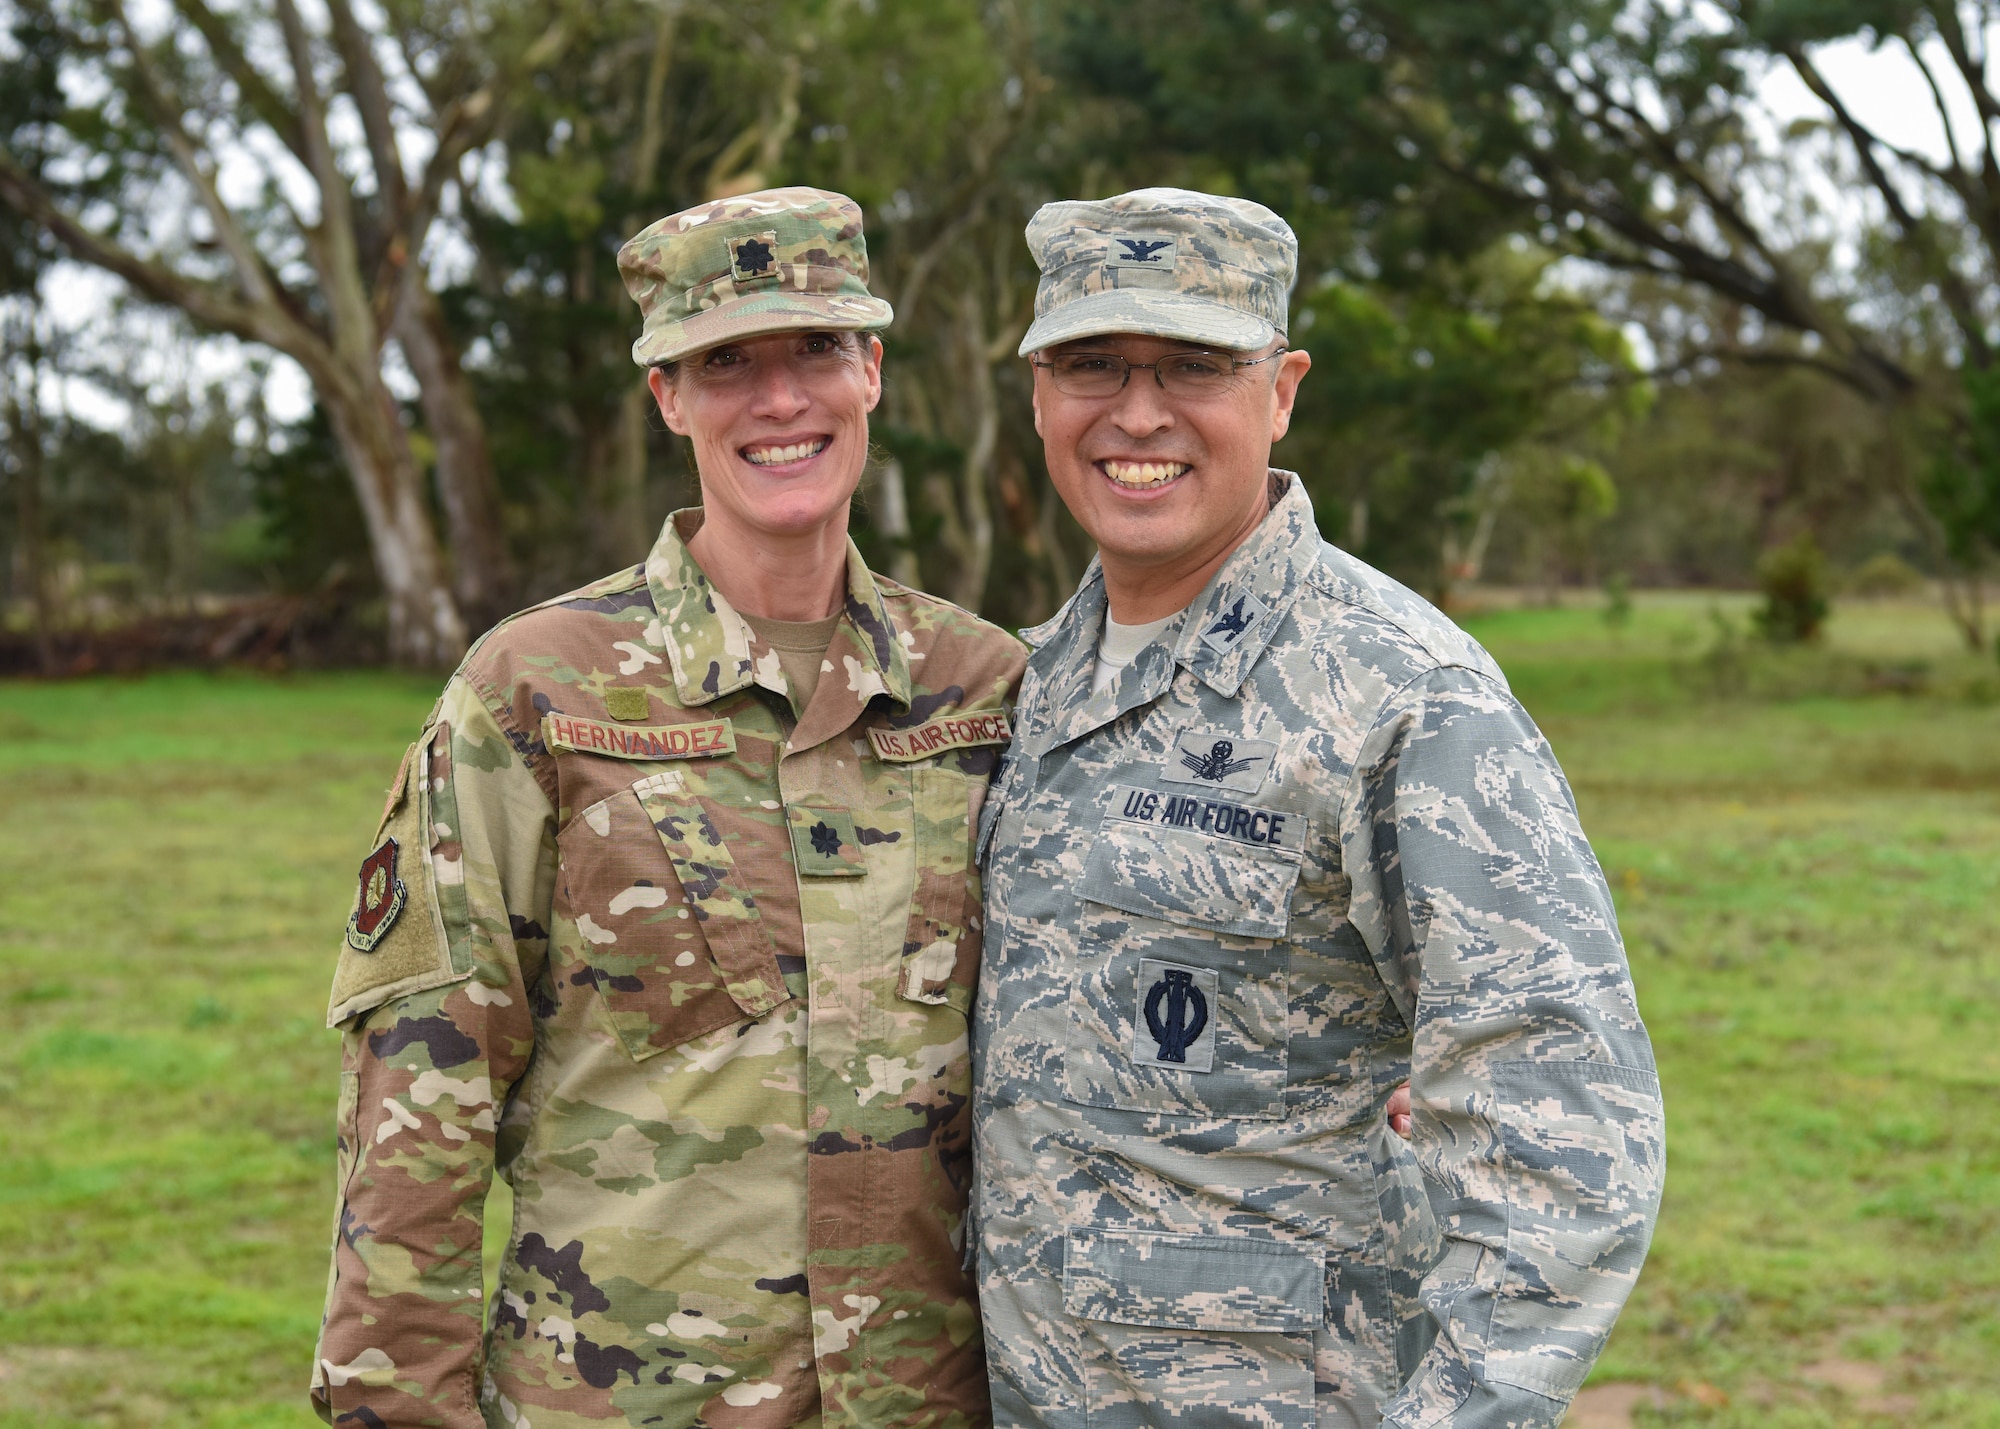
<point x="1174" y="1026"/>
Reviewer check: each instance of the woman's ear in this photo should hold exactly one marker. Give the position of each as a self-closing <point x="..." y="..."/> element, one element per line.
<point x="667" y="393"/>
<point x="871" y="363"/>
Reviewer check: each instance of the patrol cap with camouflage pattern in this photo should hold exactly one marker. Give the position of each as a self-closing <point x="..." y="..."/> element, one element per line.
<point x="1161" y="263"/>
<point x="775" y="261"/>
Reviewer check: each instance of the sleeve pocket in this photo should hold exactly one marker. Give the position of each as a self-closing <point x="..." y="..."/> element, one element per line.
<point x="1584" y="1161"/>
<point x="940" y="963"/>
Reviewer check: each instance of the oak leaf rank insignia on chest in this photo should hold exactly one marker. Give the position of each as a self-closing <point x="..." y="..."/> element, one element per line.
<point x="825" y="843"/>
<point x="379" y="901"/>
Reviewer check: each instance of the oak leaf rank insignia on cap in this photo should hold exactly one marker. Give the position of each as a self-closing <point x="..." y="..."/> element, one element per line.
<point x="754" y="257"/>
<point x="379" y="902"/>
<point x="781" y="260"/>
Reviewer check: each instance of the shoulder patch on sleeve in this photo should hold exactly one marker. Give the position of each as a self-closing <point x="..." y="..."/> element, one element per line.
<point x="381" y="899"/>
<point x="394" y="942"/>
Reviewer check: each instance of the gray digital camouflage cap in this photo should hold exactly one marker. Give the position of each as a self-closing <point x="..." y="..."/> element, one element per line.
<point x="775" y="261"/>
<point x="1162" y="263"/>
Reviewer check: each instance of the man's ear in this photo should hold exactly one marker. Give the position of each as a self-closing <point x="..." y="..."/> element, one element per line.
<point x="668" y="395"/>
<point x="1035" y="396"/>
<point x="1292" y="368"/>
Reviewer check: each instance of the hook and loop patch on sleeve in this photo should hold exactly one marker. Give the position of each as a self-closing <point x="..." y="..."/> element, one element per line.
<point x="394" y="942"/>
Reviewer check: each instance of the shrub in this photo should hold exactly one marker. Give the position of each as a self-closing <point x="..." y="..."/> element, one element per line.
<point x="1793" y="578"/>
<point x="1886" y="574"/>
<point x="1618" y="600"/>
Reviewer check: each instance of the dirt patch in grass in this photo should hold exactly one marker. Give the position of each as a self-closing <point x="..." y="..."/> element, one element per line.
<point x="1611" y="1406"/>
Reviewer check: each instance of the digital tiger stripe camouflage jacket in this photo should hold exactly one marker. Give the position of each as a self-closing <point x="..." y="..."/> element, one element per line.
<point x="1307" y="846"/>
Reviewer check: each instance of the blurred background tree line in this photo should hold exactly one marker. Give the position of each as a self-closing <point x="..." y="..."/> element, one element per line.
<point x="1580" y="312"/>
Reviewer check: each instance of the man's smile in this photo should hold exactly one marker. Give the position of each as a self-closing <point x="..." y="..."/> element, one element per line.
<point x="1143" y="475"/>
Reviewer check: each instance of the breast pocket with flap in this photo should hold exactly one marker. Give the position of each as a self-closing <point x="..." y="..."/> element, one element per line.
<point x="1179" y="999"/>
<point x="667" y="927"/>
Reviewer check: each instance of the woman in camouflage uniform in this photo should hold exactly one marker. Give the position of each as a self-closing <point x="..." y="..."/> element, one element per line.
<point x="670" y="919"/>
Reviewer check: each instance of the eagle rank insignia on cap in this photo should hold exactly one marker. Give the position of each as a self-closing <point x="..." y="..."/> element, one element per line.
<point x="380" y="900"/>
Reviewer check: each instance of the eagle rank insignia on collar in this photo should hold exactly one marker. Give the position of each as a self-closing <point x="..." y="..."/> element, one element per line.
<point x="379" y="901"/>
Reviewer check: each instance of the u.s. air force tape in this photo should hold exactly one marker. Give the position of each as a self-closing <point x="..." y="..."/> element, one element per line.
<point x="627" y="741"/>
<point x="1216" y="818"/>
<point x="959" y="731"/>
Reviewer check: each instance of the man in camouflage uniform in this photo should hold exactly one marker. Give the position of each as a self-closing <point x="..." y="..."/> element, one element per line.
<point x="671" y="919"/>
<point x="1248" y="869"/>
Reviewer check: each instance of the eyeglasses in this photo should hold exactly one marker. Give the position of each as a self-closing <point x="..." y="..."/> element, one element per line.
<point x="1180" y="374"/>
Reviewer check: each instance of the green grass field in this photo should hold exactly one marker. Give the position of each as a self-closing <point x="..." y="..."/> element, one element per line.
<point x="1809" y="879"/>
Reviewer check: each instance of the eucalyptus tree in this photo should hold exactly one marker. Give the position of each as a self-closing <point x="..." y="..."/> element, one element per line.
<point x="1629" y="133"/>
<point x="279" y="182"/>
<point x="27" y="104"/>
<point x="662" y="105"/>
<point x="932" y="119"/>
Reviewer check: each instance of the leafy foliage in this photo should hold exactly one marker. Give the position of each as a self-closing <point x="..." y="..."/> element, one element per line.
<point x="1489" y="196"/>
<point x="1793" y="578"/>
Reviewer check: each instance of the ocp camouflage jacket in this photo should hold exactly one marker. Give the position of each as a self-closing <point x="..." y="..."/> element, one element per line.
<point x="692" y="968"/>
<point x="1307" y="846"/>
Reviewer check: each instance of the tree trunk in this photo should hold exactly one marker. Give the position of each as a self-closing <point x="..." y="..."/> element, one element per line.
<point x="1965" y="602"/>
<point x="425" y="628"/>
<point x="483" y="576"/>
<point x="892" y="519"/>
<point x="625" y="533"/>
<point x="969" y="588"/>
<point x="24" y="423"/>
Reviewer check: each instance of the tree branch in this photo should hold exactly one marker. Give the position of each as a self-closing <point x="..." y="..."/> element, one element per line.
<point x="1972" y="70"/>
<point x="354" y="322"/>
<point x="1958" y="298"/>
<point x="652" y="126"/>
<point x="264" y="101"/>
<point x="259" y="284"/>
<point x="1937" y="103"/>
<point x="1868" y="371"/>
<point x="1725" y="208"/>
<point x="465" y="123"/>
<point x="371" y="97"/>
<point x="267" y="323"/>
<point x="1971" y="67"/>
